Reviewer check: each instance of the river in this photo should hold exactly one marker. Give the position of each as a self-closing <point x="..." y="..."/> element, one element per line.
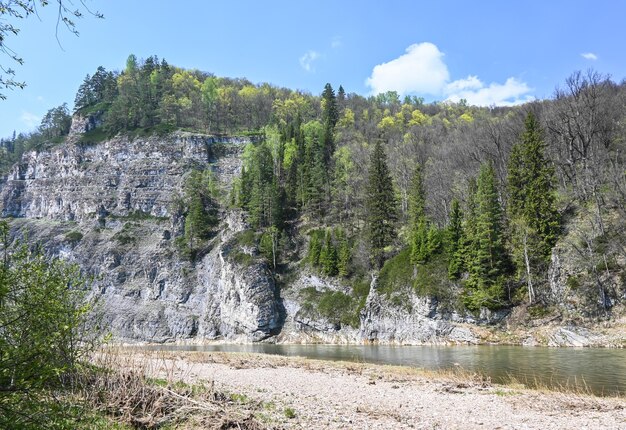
<point x="600" y="370"/>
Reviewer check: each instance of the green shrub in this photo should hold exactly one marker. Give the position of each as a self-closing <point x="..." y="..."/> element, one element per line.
<point x="397" y="273"/>
<point x="73" y="236"/>
<point x="43" y="337"/>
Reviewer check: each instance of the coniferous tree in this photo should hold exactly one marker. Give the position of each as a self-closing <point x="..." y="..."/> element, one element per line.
<point x="455" y="241"/>
<point x="487" y="259"/>
<point x="381" y="206"/>
<point x="341" y="100"/>
<point x="201" y="217"/>
<point x="532" y="204"/>
<point x="344" y="254"/>
<point x="315" y="248"/>
<point x="330" y="116"/>
<point x="328" y="256"/>
<point x="419" y="226"/>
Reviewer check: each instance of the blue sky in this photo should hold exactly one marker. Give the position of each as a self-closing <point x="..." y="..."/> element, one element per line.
<point x="488" y="52"/>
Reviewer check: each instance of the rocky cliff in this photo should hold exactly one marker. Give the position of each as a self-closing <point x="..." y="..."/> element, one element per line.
<point x="113" y="208"/>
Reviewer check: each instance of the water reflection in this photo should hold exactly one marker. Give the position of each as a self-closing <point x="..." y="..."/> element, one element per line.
<point x="602" y="370"/>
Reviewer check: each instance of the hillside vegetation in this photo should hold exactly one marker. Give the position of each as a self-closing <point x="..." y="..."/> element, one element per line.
<point x="480" y="208"/>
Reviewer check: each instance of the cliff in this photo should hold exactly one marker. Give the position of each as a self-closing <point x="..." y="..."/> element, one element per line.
<point x="113" y="209"/>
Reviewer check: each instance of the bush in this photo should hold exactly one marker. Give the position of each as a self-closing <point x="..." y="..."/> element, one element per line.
<point x="397" y="273"/>
<point x="74" y="236"/>
<point x="43" y="336"/>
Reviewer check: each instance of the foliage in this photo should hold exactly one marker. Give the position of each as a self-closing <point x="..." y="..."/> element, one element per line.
<point x="532" y="205"/>
<point x="454" y="241"/>
<point x="74" y="236"/>
<point x="335" y="306"/>
<point x="23" y="9"/>
<point x="201" y="209"/>
<point x="381" y="206"/>
<point x="328" y="256"/>
<point x="46" y="330"/>
<point x="486" y="257"/>
<point x="397" y="273"/>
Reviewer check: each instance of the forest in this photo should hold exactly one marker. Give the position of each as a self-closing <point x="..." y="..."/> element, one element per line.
<point x="461" y="203"/>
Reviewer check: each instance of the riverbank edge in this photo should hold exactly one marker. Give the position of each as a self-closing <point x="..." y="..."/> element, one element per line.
<point x="458" y="374"/>
<point x="611" y="335"/>
<point x="243" y="377"/>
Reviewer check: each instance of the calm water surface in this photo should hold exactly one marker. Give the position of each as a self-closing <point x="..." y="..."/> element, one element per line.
<point x="602" y="370"/>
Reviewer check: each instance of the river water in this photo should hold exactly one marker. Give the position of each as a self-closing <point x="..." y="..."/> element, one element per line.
<point x="602" y="371"/>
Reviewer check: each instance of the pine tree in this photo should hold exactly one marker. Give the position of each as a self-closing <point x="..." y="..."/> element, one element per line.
<point x="315" y="248"/>
<point x="344" y="254"/>
<point x="419" y="225"/>
<point x="532" y="204"/>
<point x="455" y="241"/>
<point x="328" y="256"/>
<point x="201" y="217"/>
<point x="381" y="206"/>
<point x="330" y="116"/>
<point x="487" y="260"/>
<point x="341" y="99"/>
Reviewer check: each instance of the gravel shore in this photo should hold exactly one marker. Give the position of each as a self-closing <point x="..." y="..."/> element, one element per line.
<point x="297" y="393"/>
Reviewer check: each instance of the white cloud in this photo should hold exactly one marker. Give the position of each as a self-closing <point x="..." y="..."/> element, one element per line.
<point x="512" y="92"/>
<point x="306" y="61"/>
<point x="589" y="56"/>
<point x="421" y="70"/>
<point x="336" y="42"/>
<point x="469" y="83"/>
<point x="30" y="120"/>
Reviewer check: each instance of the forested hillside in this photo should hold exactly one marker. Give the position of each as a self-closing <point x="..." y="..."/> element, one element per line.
<point x="478" y="208"/>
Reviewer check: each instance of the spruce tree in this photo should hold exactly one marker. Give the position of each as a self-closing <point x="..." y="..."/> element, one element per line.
<point x="328" y="256"/>
<point x="330" y="116"/>
<point x="344" y="254"/>
<point x="455" y="241"/>
<point x="418" y="233"/>
<point x="487" y="259"/>
<point x="315" y="248"/>
<point x="532" y="204"/>
<point x="381" y="206"/>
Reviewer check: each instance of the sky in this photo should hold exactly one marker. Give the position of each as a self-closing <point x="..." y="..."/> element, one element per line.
<point x="486" y="52"/>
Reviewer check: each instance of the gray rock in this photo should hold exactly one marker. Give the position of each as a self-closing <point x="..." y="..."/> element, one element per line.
<point x="146" y="292"/>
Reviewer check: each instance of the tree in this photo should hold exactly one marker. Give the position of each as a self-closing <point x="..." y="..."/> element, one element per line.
<point x="381" y="206"/>
<point x="14" y="10"/>
<point x="330" y="116"/>
<point x="487" y="260"/>
<point x="209" y="98"/>
<point x="201" y="216"/>
<point x="46" y="328"/>
<point x="56" y="122"/>
<point x="268" y="244"/>
<point x="344" y="254"/>
<point x="328" y="256"/>
<point x="419" y="225"/>
<point x="532" y="204"/>
<point x="455" y="241"/>
<point x="315" y="247"/>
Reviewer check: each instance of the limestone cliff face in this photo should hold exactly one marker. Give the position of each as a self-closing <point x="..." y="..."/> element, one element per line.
<point x="116" y="177"/>
<point x="111" y="208"/>
<point x="417" y="321"/>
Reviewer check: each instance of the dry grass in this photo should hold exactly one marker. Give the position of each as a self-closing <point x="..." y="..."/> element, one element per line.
<point x="147" y="391"/>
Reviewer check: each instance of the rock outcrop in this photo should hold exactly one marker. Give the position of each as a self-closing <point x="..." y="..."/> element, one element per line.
<point x="416" y="321"/>
<point x="111" y="209"/>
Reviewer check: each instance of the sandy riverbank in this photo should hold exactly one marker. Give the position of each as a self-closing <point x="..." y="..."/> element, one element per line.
<point x="297" y="393"/>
